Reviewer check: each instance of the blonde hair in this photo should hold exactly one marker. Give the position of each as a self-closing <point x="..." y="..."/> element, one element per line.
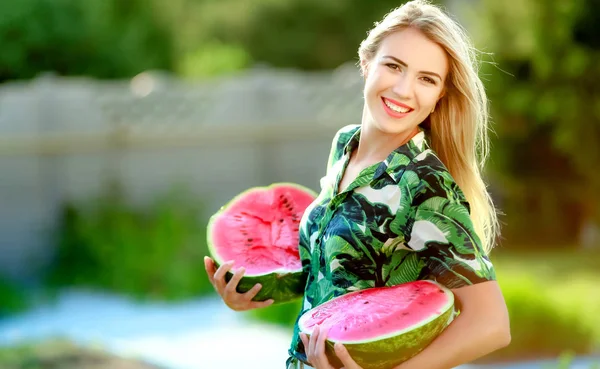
<point x="459" y="125"/>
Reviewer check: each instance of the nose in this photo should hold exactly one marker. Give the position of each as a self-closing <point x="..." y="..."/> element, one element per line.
<point x="403" y="87"/>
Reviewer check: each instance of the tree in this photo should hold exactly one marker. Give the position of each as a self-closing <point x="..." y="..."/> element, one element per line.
<point x="304" y="34"/>
<point x="543" y="85"/>
<point x="101" y="38"/>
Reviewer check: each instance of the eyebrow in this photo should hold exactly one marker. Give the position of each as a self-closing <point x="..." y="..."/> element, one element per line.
<point x="406" y="65"/>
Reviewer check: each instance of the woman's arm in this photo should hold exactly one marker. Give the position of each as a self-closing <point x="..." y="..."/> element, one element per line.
<point x="481" y="328"/>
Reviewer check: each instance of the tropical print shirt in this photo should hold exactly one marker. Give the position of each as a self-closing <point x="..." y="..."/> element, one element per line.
<point x="401" y="220"/>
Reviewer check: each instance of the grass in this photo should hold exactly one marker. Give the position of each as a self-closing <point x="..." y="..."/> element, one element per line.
<point x="63" y="354"/>
<point x="572" y="277"/>
<point x="568" y="280"/>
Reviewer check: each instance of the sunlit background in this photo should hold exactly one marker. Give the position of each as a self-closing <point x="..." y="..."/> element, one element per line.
<point x="124" y="124"/>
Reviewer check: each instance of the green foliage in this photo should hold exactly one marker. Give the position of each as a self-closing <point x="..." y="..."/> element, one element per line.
<point x="101" y="38"/>
<point x="305" y="34"/>
<point x="157" y="253"/>
<point x="194" y="38"/>
<point x="12" y="299"/>
<point x="540" y="326"/>
<point x="565" y="360"/>
<point x="212" y="59"/>
<point x="542" y="81"/>
<point x="63" y="354"/>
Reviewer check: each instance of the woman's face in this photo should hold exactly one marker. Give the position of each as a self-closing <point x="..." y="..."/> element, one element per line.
<point x="404" y="81"/>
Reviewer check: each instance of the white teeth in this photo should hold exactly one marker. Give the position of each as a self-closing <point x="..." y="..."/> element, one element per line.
<point x="395" y="108"/>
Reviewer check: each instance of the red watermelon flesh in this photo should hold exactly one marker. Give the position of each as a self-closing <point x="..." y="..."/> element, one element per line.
<point x="378" y="312"/>
<point x="384" y="326"/>
<point x="259" y="230"/>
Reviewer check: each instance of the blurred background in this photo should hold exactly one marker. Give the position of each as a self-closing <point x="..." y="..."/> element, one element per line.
<point x="124" y="124"/>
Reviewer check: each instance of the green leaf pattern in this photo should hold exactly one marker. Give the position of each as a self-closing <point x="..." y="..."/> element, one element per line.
<point x="400" y="220"/>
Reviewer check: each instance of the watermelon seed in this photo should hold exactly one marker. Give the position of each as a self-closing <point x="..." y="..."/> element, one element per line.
<point x="280" y="220"/>
<point x="345" y="328"/>
<point x="249" y="240"/>
<point x="366" y="302"/>
<point x="405" y="313"/>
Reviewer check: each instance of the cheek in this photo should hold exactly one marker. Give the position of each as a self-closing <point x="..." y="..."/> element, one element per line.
<point x="370" y="88"/>
<point x="428" y="96"/>
<point x="376" y="82"/>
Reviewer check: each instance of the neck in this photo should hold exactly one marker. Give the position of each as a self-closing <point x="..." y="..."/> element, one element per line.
<point x="375" y="146"/>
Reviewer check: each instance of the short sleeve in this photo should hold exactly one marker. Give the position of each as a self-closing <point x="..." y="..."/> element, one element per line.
<point x="336" y="153"/>
<point x="304" y="245"/>
<point x="444" y="237"/>
<point x="340" y="140"/>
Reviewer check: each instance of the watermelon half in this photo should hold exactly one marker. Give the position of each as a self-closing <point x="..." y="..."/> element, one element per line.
<point x="385" y="326"/>
<point x="258" y="229"/>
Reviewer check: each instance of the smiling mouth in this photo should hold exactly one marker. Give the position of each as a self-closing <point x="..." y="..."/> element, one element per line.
<point x="395" y="108"/>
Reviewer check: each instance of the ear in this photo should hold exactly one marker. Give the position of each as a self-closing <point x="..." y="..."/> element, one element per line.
<point x="442" y="94"/>
<point x="364" y="67"/>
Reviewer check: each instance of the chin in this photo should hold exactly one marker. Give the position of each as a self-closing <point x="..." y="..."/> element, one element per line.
<point x="381" y="121"/>
<point x="391" y="126"/>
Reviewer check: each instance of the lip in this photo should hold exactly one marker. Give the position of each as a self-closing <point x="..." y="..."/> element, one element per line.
<point x="393" y="113"/>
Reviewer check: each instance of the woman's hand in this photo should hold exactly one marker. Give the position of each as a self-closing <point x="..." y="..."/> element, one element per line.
<point x="315" y="351"/>
<point x="234" y="300"/>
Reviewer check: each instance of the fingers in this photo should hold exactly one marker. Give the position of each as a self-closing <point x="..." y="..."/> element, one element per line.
<point x="315" y="347"/>
<point x="313" y="341"/>
<point x="210" y="269"/>
<point x="251" y="293"/>
<point x="304" y="342"/>
<point x="320" y="344"/>
<point x="261" y="304"/>
<point x="220" y="276"/>
<point x="231" y="286"/>
<point x="344" y="356"/>
<point x="228" y="290"/>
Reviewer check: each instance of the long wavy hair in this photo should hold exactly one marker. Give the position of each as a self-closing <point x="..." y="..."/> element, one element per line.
<point x="459" y="125"/>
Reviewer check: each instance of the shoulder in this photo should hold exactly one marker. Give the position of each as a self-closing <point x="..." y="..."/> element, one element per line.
<point x="434" y="180"/>
<point x="340" y="140"/>
<point x="343" y="135"/>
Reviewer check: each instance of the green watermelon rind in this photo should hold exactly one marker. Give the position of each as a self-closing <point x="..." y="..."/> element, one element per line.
<point x="387" y="352"/>
<point x="282" y="286"/>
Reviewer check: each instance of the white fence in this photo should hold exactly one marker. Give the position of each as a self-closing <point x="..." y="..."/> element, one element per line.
<point x="62" y="139"/>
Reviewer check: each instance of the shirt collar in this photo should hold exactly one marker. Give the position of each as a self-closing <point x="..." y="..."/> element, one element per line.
<point x="397" y="161"/>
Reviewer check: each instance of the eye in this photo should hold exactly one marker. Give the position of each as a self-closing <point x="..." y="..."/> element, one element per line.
<point x="429" y="80"/>
<point x="392" y="66"/>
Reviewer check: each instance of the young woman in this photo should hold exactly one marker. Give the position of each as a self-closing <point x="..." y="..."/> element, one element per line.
<point x="403" y="198"/>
